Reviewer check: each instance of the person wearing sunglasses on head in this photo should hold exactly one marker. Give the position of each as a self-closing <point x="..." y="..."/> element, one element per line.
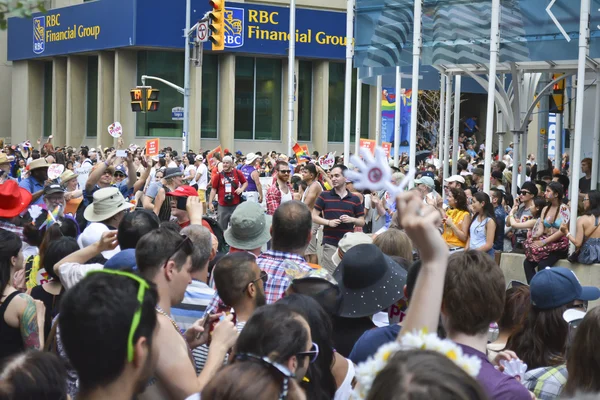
<point x="107" y="327"/>
<point x="281" y="190"/>
<point x="521" y="217"/>
<point x="165" y="258"/>
<point x="241" y="286"/>
<point x="274" y="337"/>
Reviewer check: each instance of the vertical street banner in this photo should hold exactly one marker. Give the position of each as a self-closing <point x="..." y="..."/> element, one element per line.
<point x="388" y="109"/>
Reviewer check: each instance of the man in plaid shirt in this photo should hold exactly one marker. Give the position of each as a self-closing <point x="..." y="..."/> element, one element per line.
<point x="291" y="233"/>
<point x="280" y="191"/>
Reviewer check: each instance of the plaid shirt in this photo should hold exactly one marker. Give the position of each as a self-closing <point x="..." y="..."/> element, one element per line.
<point x="546" y="382"/>
<point x="273" y="198"/>
<point x="272" y="263"/>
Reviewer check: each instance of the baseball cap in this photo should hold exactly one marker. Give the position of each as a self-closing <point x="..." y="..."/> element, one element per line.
<point x="53" y="188"/>
<point x="426" y="181"/>
<point x="183" y="191"/>
<point x="456" y="178"/>
<point x="199" y="157"/>
<point x="497" y="174"/>
<point x="428" y="173"/>
<point x="555" y="287"/>
<point x="349" y="240"/>
<point x="125" y="259"/>
<point x="121" y="168"/>
<point x="92" y="150"/>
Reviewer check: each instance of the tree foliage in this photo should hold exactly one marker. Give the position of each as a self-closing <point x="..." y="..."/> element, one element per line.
<point x="21" y="8"/>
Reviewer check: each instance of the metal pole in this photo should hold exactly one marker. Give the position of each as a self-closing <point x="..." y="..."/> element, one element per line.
<point x="543" y="126"/>
<point x="489" y="122"/>
<point x="348" y="82"/>
<point x="378" y="111"/>
<point x="557" y="143"/>
<point x="415" y="86"/>
<point x="573" y="111"/>
<point x="447" y="118"/>
<point x="517" y="136"/>
<point x="440" y="141"/>
<point x="186" y="81"/>
<point x="523" y="159"/>
<point x="456" y="130"/>
<point x="397" y="116"/>
<point x="358" y="112"/>
<point x="584" y="33"/>
<point x="500" y="122"/>
<point x="596" y="135"/>
<point x="291" y="75"/>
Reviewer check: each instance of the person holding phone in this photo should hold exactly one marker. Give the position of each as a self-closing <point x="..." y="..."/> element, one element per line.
<point x="178" y="199"/>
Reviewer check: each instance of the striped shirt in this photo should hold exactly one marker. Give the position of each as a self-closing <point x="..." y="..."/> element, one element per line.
<point x="197" y="297"/>
<point x="332" y="206"/>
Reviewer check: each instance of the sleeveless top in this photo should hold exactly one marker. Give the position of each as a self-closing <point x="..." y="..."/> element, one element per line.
<point x="11" y="341"/>
<point x="345" y="390"/>
<point x="247" y="170"/>
<point x="478" y="234"/>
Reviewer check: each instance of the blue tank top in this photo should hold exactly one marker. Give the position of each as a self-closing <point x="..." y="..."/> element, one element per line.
<point x="247" y="171"/>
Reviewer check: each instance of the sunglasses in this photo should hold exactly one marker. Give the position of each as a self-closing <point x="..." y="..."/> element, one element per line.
<point x="263" y="276"/>
<point x="119" y="175"/>
<point x="313" y="353"/>
<point x="525" y="192"/>
<point x="186" y="245"/>
<point x="284" y="171"/>
<point x="273" y="366"/>
<point x="135" y="321"/>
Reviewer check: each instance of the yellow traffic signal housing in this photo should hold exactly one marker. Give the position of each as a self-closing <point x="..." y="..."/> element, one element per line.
<point x="152" y="102"/>
<point x="137" y="100"/>
<point x="216" y="24"/>
<point x="558" y="94"/>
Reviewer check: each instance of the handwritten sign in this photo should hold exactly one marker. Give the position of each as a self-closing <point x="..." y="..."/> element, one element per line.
<point x="152" y="147"/>
<point x="55" y="170"/>
<point x="115" y="130"/>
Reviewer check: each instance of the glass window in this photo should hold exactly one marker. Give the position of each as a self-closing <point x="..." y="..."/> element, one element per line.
<point x="257" y="98"/>
<point x="47" y="115"/>
<point x="167" y="65"/>
<point x="92" y="96"/>
<point x="335" y="132"/>
<point x="210" y="102"/>
<point x="305" y="78"/>
<point x="244" y="98"/>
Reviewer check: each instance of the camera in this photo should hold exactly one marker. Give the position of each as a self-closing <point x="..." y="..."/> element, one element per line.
<point x="228" y="198"/>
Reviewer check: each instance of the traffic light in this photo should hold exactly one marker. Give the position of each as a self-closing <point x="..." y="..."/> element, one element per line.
<point x="557" y="97"/>
<point x="152" y="102"/>
<point x="216" y="24"/>
<point x="137" y="100"/>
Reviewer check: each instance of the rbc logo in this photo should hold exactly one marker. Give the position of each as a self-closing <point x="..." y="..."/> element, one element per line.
<point x="39" y="33"/>
<point x="234" y="27"/>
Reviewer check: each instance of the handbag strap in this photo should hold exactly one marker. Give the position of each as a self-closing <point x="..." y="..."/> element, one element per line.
<point x="586" y="238"/>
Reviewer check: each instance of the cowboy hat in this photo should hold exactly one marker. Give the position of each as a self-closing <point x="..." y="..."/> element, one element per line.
<point x="13" y="199"/>
<point x="67" y="176"/>
<point x="4" y="159"/>
<point x="107" y="203"/>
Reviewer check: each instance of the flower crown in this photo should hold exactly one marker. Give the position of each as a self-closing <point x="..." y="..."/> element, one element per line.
<point x="368" y="370"/>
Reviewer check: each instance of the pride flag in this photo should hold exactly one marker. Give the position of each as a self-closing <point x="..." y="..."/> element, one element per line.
<point x="298" y="150"/>
<point x="51" y="218"/>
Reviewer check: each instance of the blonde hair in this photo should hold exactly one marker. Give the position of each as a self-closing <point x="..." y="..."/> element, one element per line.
<point x="395" y="242"/>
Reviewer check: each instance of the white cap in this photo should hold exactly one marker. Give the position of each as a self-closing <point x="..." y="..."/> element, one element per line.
<point x="456" y="178"/>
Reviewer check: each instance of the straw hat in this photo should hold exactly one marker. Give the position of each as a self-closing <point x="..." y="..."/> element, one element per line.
<point x="39" y="163"/>
<point x="107" y="203"/>
<point x="4" y="158"/>
<point x="67" y="176"/>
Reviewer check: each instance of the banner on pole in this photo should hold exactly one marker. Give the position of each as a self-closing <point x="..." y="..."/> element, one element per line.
<point x="152" y="147"/>
<point x="387" y="146"/>
<point x="388" y="114"/>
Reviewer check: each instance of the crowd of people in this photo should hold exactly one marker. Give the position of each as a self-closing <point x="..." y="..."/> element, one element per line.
<point x="220" y="275"/>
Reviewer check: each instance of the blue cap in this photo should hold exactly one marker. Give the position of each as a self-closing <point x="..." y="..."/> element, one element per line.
<point x="428" y="173"/>
<point x="125" y="259"/>
<point x="121" y="168"/>
<point x="558" y="286"/>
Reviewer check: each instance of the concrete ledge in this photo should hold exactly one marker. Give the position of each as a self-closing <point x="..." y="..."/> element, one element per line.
<point x="512" y="267"/>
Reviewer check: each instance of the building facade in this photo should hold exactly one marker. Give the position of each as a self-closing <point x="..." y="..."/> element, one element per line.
<point x="69" y="73"/>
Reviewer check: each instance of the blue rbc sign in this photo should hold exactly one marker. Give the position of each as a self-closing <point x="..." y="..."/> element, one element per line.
<point x="39" y="33"/>
<point x="234" y="27"/>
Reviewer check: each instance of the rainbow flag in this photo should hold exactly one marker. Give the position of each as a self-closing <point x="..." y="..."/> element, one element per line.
<point x="298" y="150"/>
<point x="51" y="218"/>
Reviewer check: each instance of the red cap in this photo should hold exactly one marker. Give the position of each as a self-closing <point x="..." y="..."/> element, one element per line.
<point x="183" y="191"/>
